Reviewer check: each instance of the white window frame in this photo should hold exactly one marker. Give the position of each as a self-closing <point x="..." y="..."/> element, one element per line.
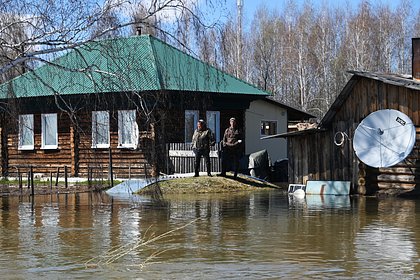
<point x="52" y="124"/>
<point x="216" y="128"/>
<point x="99" y="127"/>
<point x="26" y="128"/>
<point x="188" y="114"/>
<point x="127" y="123"/>
<point x="271" y="121"/>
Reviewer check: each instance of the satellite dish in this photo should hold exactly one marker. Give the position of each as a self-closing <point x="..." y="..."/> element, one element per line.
<point x="384" y="138"/>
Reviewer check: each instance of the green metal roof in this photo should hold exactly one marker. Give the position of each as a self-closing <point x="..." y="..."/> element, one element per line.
<point x="139" y="63"/>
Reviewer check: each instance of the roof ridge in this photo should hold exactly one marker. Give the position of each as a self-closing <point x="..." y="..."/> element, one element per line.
<point x="154" y="53"/>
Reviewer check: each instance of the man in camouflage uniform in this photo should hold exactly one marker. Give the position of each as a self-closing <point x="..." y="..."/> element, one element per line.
<point x="231" y="148"/>
<point x="202" y="139"/>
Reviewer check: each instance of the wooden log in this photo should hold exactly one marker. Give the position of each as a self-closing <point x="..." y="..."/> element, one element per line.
<point x="406" y="186"/>
<point x="399" y="170"/>
<point x="397" y="178"/>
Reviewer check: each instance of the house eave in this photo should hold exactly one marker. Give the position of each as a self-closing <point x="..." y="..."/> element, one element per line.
<point x="295" y="133"/>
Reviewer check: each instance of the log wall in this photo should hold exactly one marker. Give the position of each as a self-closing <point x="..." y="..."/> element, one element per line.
<point x="42" y="160"/>
<point x="75" y="151"/>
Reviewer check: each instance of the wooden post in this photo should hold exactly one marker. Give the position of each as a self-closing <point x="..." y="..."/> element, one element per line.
<point x="89" y="176"/>
<point x="1" y="151"/>
<point x="20" y="182"/>
<point x="50" y="180"/>
<point x="110" y="171"/>
<point x="65" y="176"/>
<point x="167" y="158"/>
<point x="4" y="152"/>
<point x="29" y="179"/>
<point x="74" y="150"/>
<point x="32" y="182"/>
<point x="19" y="179"/>
<point x="56" y="178"/>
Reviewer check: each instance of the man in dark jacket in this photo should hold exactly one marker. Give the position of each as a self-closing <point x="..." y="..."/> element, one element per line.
<point x="231" y="148"/>
<point x="202" y="139"/>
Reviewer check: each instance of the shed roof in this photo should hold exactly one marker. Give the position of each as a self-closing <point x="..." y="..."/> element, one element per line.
<point x="393" y="79"/>
<point x="138" y="63"/>
<point x="399" y="80"/>
<point x="294" y="114"/>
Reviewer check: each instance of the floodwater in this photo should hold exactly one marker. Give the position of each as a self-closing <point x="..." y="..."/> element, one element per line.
<point x="257" y="235"/>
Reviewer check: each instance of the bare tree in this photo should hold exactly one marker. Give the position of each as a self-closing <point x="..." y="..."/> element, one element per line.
<point x="51" y="27"/>
<point x="264" y="42"/>
<point x="11" y="34"/>
<point x="403" y="34"/>
<point x="107" y="21"/>
<point x="302" y="54"/>
<point x="228" y="47"/>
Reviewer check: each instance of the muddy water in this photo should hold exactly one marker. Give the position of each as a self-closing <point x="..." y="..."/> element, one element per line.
<point x="258" y="235"/>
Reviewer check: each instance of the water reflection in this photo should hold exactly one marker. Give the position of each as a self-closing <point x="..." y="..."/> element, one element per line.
<point x="238" y="235"/>
<point x="320" y="201"/>
<point x="388" y="250"/>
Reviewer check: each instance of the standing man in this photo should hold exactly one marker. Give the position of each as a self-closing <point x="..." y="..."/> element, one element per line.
<point x="202" y="139"/>
<point x="231" y="148"/>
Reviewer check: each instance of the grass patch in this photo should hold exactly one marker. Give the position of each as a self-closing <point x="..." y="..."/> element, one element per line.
<point x="206" y="184"/>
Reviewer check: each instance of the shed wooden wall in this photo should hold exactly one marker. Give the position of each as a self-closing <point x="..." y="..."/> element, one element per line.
<point x="316" y="157"/>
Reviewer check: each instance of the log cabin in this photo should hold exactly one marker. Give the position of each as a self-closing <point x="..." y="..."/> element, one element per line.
<point x="326" y="152"/>
<point x="108" y="109"/>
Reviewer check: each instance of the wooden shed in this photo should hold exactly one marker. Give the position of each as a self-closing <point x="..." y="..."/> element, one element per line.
<point x="326" y="152"/>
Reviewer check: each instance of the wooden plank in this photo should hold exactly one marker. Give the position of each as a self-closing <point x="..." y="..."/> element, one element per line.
<point x="397" y="178"/>
<point x="406" y="186"/>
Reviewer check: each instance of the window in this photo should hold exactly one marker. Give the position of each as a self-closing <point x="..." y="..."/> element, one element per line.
<point x="213" y="122"/>
<point x="191" y="119"/>
<point x="26" y="132"/>
<point x="268" y="128"/>
<point x="49" y="133"/>
<point x="128" y="130"/>
<point x="100" y="129"/>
